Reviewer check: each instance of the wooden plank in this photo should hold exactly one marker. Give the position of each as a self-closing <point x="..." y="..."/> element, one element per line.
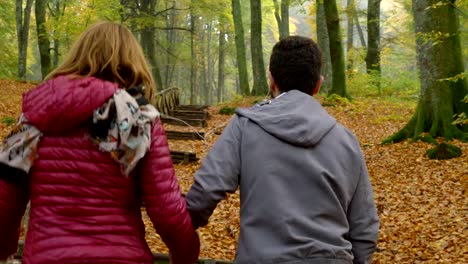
<point x="192" y="107"/>
<point x="180" y="156"/>
<point x="179" y="135"/>
<point x="189" y="114"/>
<point x="192" y="122"/>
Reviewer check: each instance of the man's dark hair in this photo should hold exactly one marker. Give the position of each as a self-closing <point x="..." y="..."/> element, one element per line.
<point x="295" y="64"/>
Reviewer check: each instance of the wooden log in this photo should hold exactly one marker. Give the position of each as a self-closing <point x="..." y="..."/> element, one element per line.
<point x="179" y="135"/>
<point x="189" y="114"/>
<point x="192" y="122"/>
<point x="185" y="157"/>
<point x="192" y="107"/>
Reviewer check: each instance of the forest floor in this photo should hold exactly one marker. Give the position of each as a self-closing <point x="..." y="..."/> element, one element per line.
<point x="422" y="203"/>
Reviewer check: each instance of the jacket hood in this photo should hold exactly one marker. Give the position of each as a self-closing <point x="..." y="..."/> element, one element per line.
<point x="294" y="117"/>
<point x="64" y="103"/>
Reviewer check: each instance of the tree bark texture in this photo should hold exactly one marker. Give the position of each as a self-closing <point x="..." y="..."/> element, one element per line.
<point x="43" y="37"/>
<point x="439" y="57"/>
<point x="148" y="33"/>
<point x="221" y="62"/>
<point x="336" y="48"/>
<point x="282" y="17"/>
<point x="359" y="29"/>
<point x="260" y="86"/>
<point x="350" y="33"/>
<point x="373" y="40"/>
<point x="23" y="18"/>
<point x="324" y="44"/>
<point x="193" y="62"/>
<point x="240" y="48"/>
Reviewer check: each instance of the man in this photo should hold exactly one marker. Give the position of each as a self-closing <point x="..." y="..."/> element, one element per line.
<point x="304" y="189"/>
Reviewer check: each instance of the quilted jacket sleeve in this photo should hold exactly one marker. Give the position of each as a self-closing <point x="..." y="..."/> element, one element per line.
<point x="13" y="200"/>
<point x="164" y="202"/>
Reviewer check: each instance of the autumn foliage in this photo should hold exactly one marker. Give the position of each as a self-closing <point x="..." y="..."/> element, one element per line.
<point x="422" y="203"/>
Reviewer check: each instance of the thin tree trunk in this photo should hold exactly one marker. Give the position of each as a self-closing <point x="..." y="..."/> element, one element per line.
<point x="336" y="48"/>
<point x="240" y="48"/>
<point x="373" y="39"/>
<point x="440" y="99"/>
<point x="22" y="31"/>
<point x="43" y="37"/>
<point x="208" y="68"/>
<point x="324" y="44"/>
<point x="282" y="17"/>
<point x="260" y="86"/>
<point x="350" y="40"/>
<point x="359" y="28"/>
<point x="221" y="62"/>
<point x="193" y="62"/>
<point x="57" y="12"/>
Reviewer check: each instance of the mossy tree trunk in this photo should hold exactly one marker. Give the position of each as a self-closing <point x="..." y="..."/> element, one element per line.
<point x="260" y="85"/>
<point x="23" y="18"/>
<point x="373" y="39"/>
<point x="336" y="48"/>
<point x="439" y="57"/>
<point x="148" y="34"/>
<point x="240" y="48"/>
<point x="43" y="37"/>
<point x="324" y="44"/>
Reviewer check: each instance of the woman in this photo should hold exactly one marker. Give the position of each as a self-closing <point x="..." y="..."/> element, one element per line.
<point x="84" y="153"/>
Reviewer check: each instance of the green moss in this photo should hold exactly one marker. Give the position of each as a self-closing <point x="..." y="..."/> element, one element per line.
<point x="8" y="120"/>
<point x="335" y="100"/>
<point x="444" y="151"/>
<point x="227" y="110"/>
<point x="427" y="139"/>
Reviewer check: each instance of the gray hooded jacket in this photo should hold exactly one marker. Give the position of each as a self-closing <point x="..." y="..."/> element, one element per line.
<point x="304" y="189"/>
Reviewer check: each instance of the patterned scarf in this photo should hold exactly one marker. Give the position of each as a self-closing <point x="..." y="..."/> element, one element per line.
<point x="126" y="135"/>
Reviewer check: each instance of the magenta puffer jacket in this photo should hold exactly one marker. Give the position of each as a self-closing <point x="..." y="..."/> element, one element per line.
<point x="83" y="210"/>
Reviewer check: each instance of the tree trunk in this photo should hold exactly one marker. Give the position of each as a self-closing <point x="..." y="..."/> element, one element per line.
<point x="210" y="62"/>
<point x="22" y="32"/>
<point x="282" y="17"/>
<point x="359" y="28"/>
<point x="439" y="57"/>
<point x="336" y="48"/>
<point x="57" y="12"/>
<point x="240" y="48"/>
<point x="148" y="33"/>
<point x="260" y="86"/>
<point x="171" y="36"/>
<point x="221" y="62"/>
<point x="193" y="62"/>
<point x="350" y="39"/>
<point x="373" y="41"/>
<point x="43" y="37"/>
<point x="324" y="44"/>
<point x="147" y="40"/>
<point x="204" y="74"/>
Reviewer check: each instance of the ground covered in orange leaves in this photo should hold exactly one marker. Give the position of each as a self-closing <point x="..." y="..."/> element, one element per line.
<point x="422" y="203"/>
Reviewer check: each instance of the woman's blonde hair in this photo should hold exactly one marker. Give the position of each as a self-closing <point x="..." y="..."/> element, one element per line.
<point x="108" y="51"/>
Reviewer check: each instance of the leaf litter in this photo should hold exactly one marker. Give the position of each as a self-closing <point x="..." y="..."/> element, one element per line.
<point x="422" y="203"/>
